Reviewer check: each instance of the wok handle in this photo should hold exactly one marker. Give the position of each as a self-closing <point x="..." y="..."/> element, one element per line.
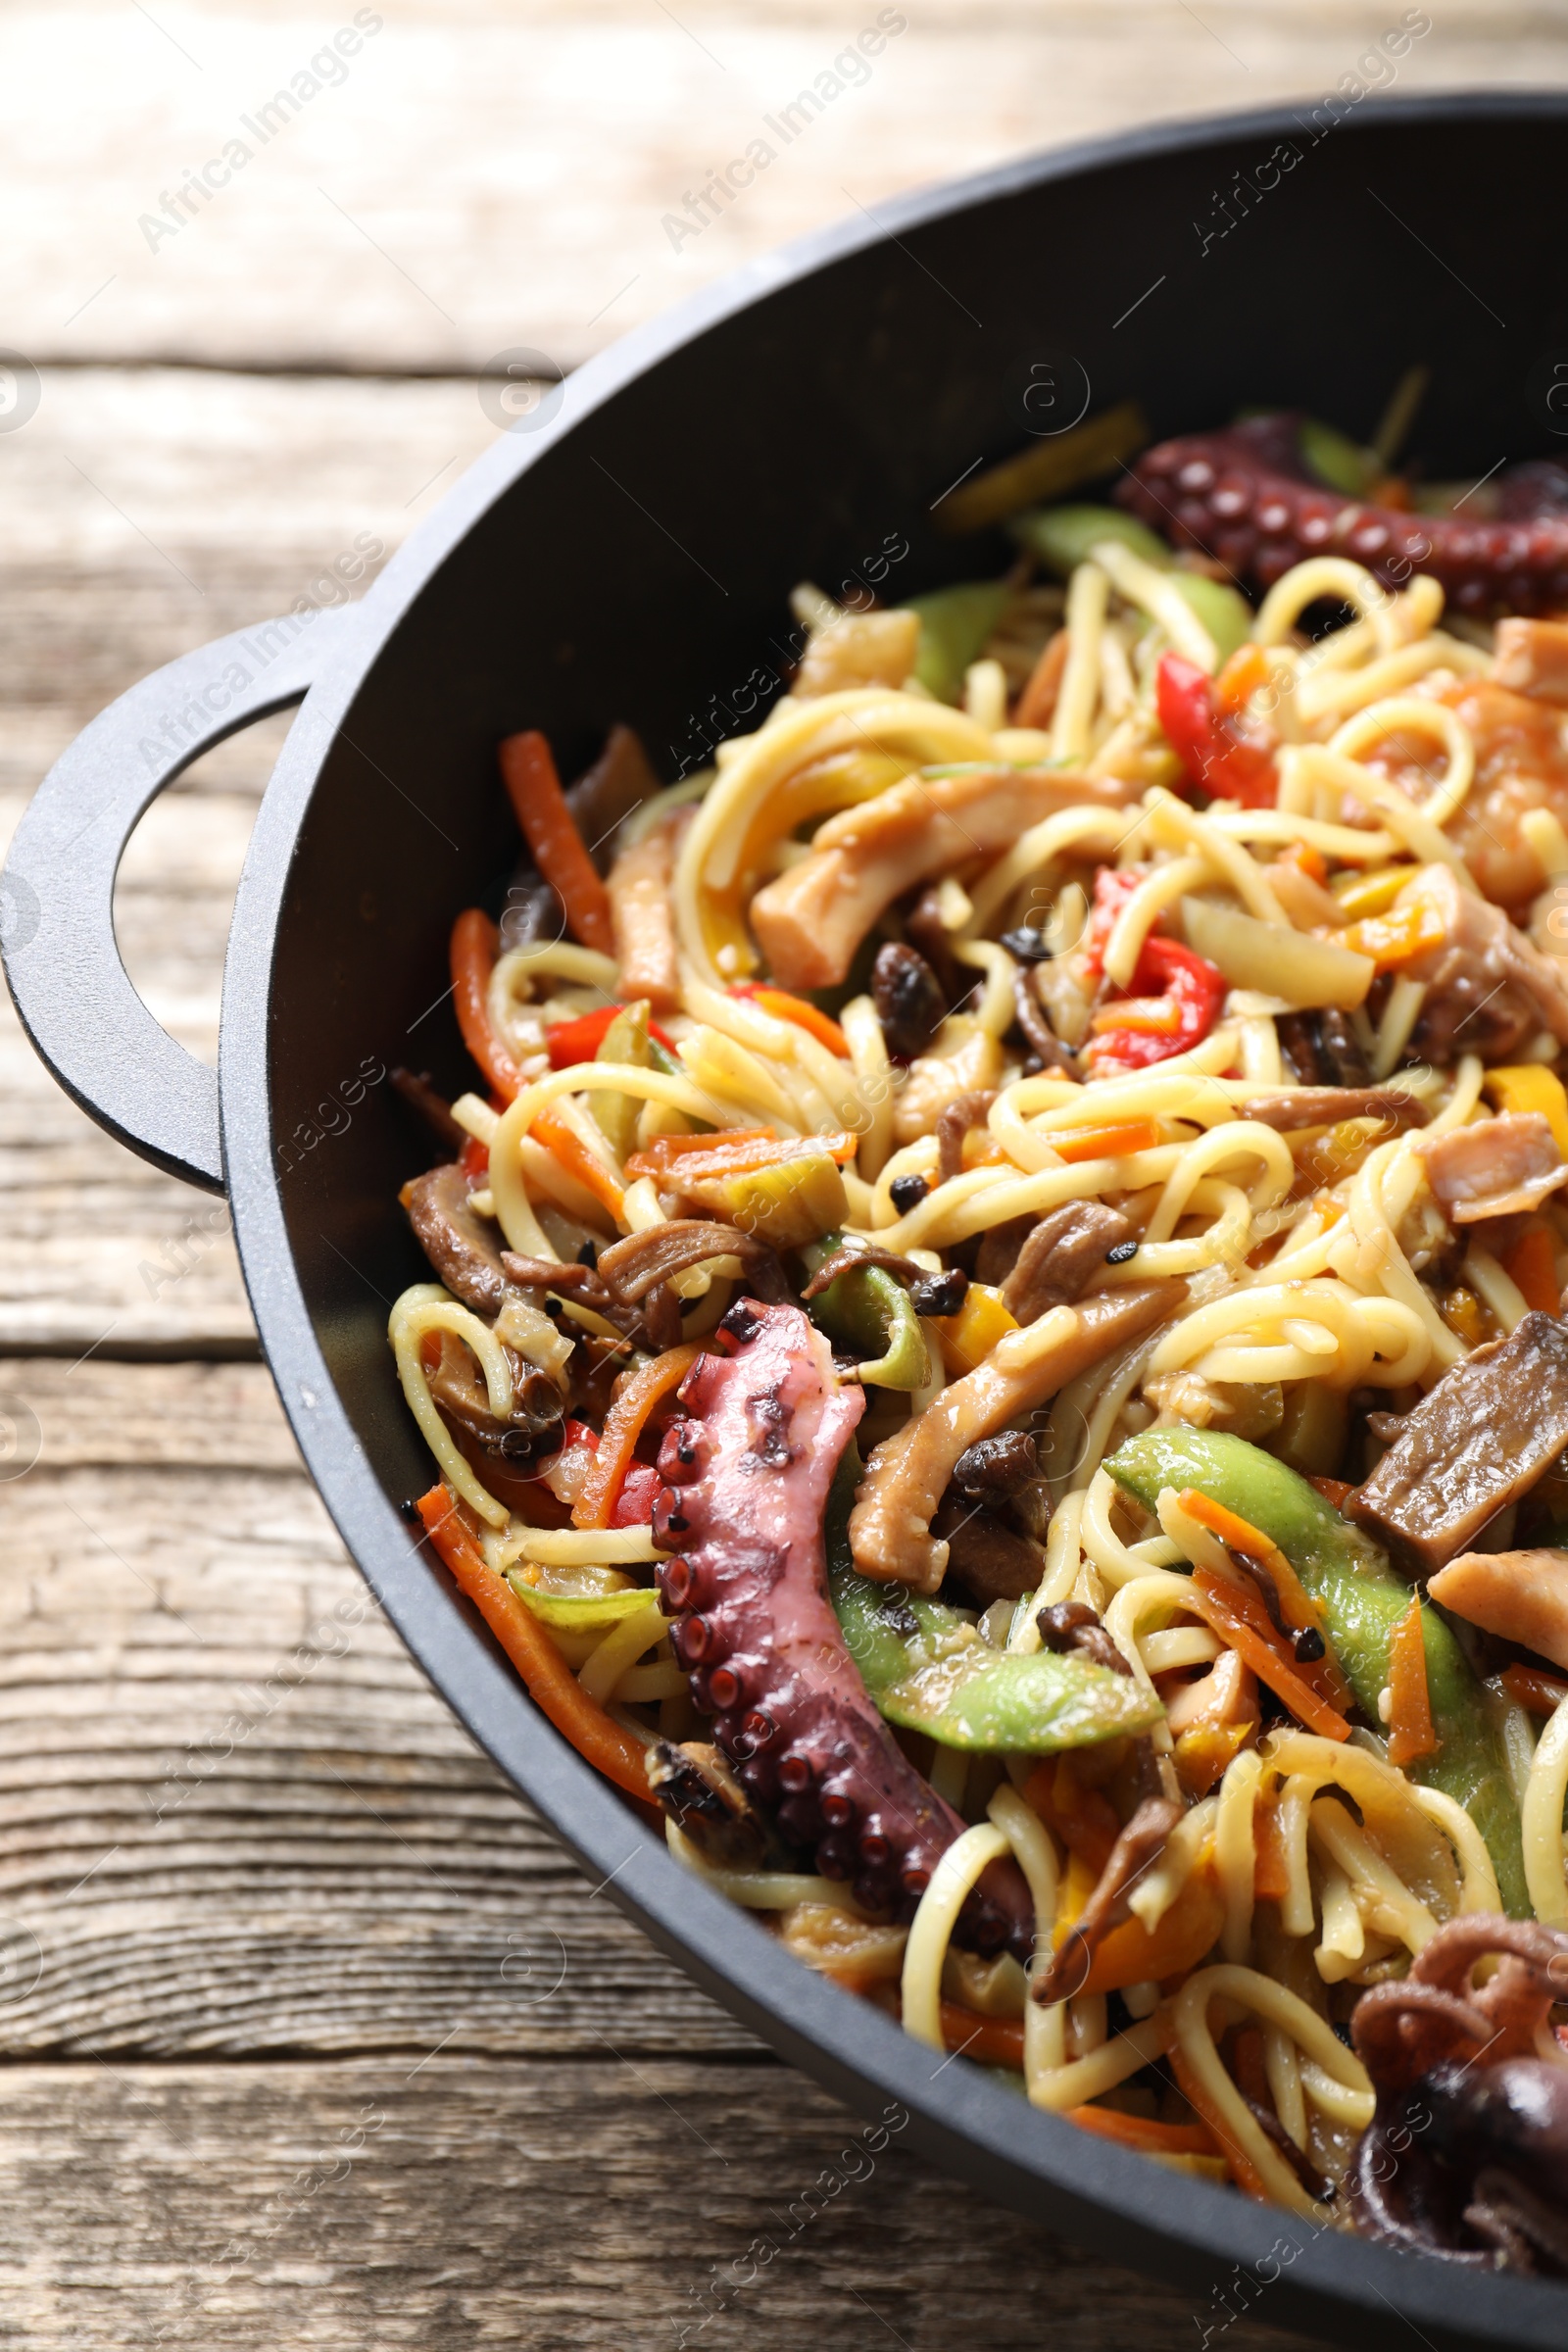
<point x="56" y="888"/>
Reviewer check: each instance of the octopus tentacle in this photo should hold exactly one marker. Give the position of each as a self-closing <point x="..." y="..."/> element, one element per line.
<point x="747" y="1468"/>
<point x="1244" y="498"/>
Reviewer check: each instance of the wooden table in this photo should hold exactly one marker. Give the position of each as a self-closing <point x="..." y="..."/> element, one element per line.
<point x="311" y="2035"/>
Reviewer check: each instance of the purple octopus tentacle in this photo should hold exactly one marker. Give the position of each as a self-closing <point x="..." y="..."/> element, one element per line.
<point x="1244" y="499"/>
<point x="748" y="1470"/>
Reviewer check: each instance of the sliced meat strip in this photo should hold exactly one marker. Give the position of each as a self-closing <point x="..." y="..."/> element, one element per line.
<point x="463" y="1247"/>
<point x="1061" y="1257"/>
<point x="1478" y="1441"/>
<point x="908" y="1473"/>
<point x="1532" y="657"/>
<point x="810" y="920"/>
<point x="1520" y="1596"/>
<point x="1494" y="1167"/>
<point x="642" y="913"/>
<point x="1488" y="989"/>
<point x="1327" y="1105"/>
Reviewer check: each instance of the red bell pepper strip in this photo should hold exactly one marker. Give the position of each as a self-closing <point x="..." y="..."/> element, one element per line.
<point x="1173" y="1005"/>
<point x="528" y="772"/>
<point x="474" y="947"/>
<point x="571" y="1042"/>
<point x="1217" y="752"/>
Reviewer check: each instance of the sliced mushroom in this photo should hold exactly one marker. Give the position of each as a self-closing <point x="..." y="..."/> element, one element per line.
<point x="463" y="1247"/>
<point x="908" y="1473"/>
<point x="1327" y="1105"/>
<point x="955" y="1124"/>
<point x="1062" y="1254"/>
<point x="810" y="920"/>
<point x="630" y="1269"/>
<point x="1141" y="1843"/>
<point x="533" y="1427"/>
<point x="860" y="1254"/>
<point x="989" y="1560"/>
<point x="433" y="1109"/>
<point x="910" y="1001"/>
<point x="619" y="781"/>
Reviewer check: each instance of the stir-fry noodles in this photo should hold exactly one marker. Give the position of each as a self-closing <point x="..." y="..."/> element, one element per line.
<point x="995" y="1351"/>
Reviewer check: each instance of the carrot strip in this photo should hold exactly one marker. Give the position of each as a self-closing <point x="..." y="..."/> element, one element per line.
<point x="1325" y="1675"/>
<point x="698" y="1156"/>
<point x="1532" y="1266"/>
<point x="475" y="943"/>
<point x="528" y="772"/>
<point x="1333" y="1489"/>
<point x="1243" y="674"/>
<point x="1226" y="1611"/>
<point x="551" y="1129"/>
<point x="1410" y="1732"/>
<point x="1271" y="1873"/>
<point x="1243" y="2172"/>
<point x="1073" y="1143"/>
<point x="1085" y="1821"/>
<point x="1143" y="2133"/>
<point x="623" y="1423"/>
<point x="786" y="1007"/>
<point x="552" y="1685"/>
<point x="1541" y="1693"/>
<point x="667" y="1152"/>
<point x="1037" y="704"/>
<point x="989" y="2041"/>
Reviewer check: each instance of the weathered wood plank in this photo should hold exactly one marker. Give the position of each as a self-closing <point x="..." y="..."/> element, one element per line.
<point x="435" y="2204"/>
<point x="482" y="178"/>
<point x="234" y="1816"/>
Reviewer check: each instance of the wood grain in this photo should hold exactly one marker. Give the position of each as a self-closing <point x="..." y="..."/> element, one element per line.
<point x="487" y="175"/>
<point x="636" y="2206"/>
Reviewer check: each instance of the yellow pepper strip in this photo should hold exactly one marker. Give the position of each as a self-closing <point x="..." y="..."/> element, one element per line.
<point x="968" y="1337"/>
<point x="1528" y="1087"/>
<point x="1361" y="895"/>
<point x="1395" y="938"/>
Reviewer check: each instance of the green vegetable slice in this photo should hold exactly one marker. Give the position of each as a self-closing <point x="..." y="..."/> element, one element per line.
<point x="865" y="1309"/>
<point x="955" y="623"/>
<point x="1062" y="536"/>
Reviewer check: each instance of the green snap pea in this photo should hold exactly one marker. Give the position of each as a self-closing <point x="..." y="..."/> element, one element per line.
<point x="928" y="1669"/>
<point x="1362" y="1602"/>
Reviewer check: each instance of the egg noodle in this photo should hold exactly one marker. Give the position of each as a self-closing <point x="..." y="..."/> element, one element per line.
<point x="1324" y="1275"/>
